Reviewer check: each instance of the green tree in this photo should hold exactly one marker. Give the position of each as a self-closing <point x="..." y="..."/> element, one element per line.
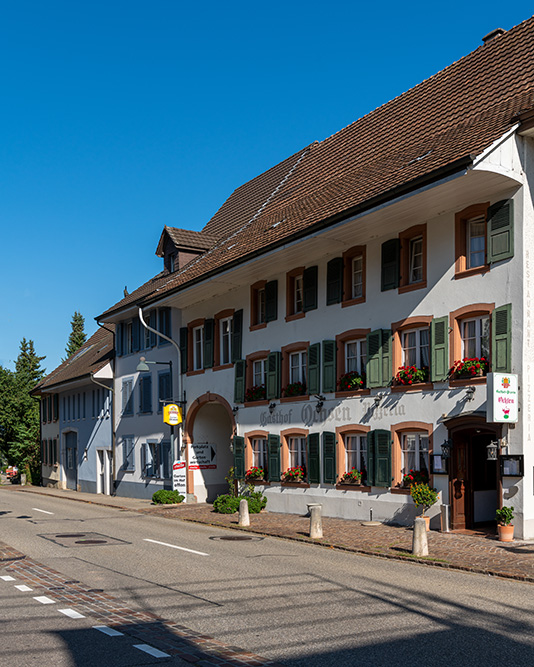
<point x="77" y="335"/>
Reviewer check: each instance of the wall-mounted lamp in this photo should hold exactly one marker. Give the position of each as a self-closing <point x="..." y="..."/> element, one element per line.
<point x="272" y="407"/>
<point x="378" y="398"/>
<point x="492" y="450"/>
<point x="470" y="391"/>
<point x="235" y="409"/>
<point x="446" y="448"/>
<point x="142" y="366"/>
<point x="320" y="402"/>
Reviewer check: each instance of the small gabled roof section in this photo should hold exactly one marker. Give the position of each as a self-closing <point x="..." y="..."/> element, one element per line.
<point x="90" y="358"/>
<point x="185" y="239"/>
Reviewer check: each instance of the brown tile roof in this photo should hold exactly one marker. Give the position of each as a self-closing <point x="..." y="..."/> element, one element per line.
<point x="185" y="239"/>
<point x="438" y="125"/>
<point x="90" y="358"/>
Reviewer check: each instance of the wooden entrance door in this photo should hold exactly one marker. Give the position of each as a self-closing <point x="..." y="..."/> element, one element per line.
<point x="460" y="485"/>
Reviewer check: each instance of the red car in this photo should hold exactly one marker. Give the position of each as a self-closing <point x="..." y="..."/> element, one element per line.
<point x="12" y="471"/>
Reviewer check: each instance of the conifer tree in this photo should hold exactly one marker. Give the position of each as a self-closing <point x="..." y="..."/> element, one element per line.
<point x="77" y="336"/>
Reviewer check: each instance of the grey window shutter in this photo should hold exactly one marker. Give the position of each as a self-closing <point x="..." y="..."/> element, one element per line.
<point x="313" y="468"/>
<point x="501" y="339"/>
<point x="329" y="365"/>
<point x="273" y="375"/>
<point x="273" y="454"/>
<point x="334" y="281"/>
<point x="314" y="368"/>
<point x="439" y="343"/>
<point x="500" y="231"/>
<point x="382" y="458"/>
<point x="237" y="335"/>
<point x="387" y="373"/>
<point x="183" y="349"/>
<point x="374" y="359"/>
<point x="56" y="407"/>
<point x="209" y="330"/>
<point x="152" y="321"/>
<point x="271" y="301"/>
<point x="144" y="459"/>
<point x="390" y="264"/>
<point x="136" y="334"/>
<point x="329" y="457"/>
<point x="119" y="339"/>
<point x="239" y="381"/>
<point x="309" y="288"/>
<point x="145" y="394"/>
<point x="239" y="457"/>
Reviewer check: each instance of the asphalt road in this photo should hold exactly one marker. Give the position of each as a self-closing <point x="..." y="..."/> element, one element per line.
<point x="296" y="603"/>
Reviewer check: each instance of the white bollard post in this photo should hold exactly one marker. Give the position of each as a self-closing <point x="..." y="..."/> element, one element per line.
<point x="316" y="522"/>
<point x="420" y="542"/>
<point x="244" y="519"/>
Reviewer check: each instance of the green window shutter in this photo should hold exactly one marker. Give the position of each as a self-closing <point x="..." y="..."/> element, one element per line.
<point x="237" y="335"/>
<point x="136" y="334"/>
<point x="239" y="457"/>
<point x="329" y="365"/>
<point x="314" y="368"/>
<point x="374" y="359"/>
<point x="387" y="373"/>
<point x="239" y="382"/>
<point x="390" y="264"/>
<point x="334" y="281"/>
<point x="56" y="407"/>
<point x="500" y="232"/>
<point x="370" y="480"/>
<point x="382" y="458"/>
<point x="271" y="301"/>
<point x="183" y="349"/>
<point x="314" y="470"/>
<point x="273" y="455"/>
<point x="501" y="339"/>
<point x="439" y="349"/>
<point x="329" y="457"/>
<point x="309" y="288"/>
<point x="273" y="374"/>
<point x="209" y="330"/>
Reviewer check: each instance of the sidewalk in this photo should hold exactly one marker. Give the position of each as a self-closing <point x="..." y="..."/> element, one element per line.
<point x="471" y="553"/>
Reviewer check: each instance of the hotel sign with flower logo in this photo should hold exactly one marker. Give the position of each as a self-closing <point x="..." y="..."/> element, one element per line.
<point x="503" y="398"/>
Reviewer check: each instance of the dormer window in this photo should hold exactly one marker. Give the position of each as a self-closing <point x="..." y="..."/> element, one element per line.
<point x="173" y="262"/>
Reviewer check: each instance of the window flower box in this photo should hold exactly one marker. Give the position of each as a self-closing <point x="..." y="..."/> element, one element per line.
<point x="415" y="477"/>
<point x="255" y="474"/>
<point x="294" y="389"/>
<point x="353" y="477"/>
<point x="469" y="367"/>
<point x="255" y="393"/>
<point x="295" y="474"/>
<point x="351" y="381"/>
<point x="410" y="375"/>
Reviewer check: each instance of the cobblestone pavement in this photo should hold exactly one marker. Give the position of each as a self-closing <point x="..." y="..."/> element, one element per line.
<point x="173" y="639"/>
<point x="474" y="553"/>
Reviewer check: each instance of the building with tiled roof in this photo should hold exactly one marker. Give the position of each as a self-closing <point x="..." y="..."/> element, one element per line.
<point x="322" y="318"/>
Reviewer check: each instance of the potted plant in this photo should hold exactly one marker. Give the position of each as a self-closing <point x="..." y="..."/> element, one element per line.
<point x="351" y="381"/>
<point x="415" y="477"/>
<point x="424" y="496"/>
<point x="295" y="389"/>
<point x="408" y="375"/>
<point x="295" y="474"/>
<point x="469" y="367"/>
<point x="354" y="476"/>
<point x="254" y="473"/>
<point x="255" y="393"/>
<point x="505" y="527"/>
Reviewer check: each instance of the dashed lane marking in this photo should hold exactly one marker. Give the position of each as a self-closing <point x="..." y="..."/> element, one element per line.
<point x="71" y="613"/>
<point x="151" y="651"/>
<point x="6" y="577"/>
<point x="23" y="588"/>
<point x="108" y="631"/>
<point x="44" y="600"/>
<point x="43" y="511"/>
<point x="173" y="546"/>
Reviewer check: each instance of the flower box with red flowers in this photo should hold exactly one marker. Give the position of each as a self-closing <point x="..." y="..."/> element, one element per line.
<point x="254" y="473"/>
<point x="255" y="393"/>
<point x="469" y="367"/>
<point x="408" y="375"/>
<point x="295" y="474"/>
<point x="294" y="389"/>
<point x="354" y="476"/>
<point x="415" y="477"/>
<point x="351" y="381"/>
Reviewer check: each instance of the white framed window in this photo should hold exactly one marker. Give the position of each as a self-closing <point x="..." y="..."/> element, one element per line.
<point x="127" y="397"/>
<point x="414" y="447"/>
<point x="356" y="452"/>
<point x="225" y="331"/>
<point x="259" y="453"/>
<point x="259" y="372"/>
<point x="156" y="459"/>
<point x="297" y="451"/>
<point x="416" y="260"/>
<point x="476" y="337"/>
<point x="198" y="348"/>
<point x="357" y="276"/>
<point x="297" y="366"/>
<point x="355" y="356"/>
<point x="476" y="241"/>
<point x="298" y="302"/>
<point x="260" y="305"/>
<point x="128" y="452"/>
<point x="416" y="348"/>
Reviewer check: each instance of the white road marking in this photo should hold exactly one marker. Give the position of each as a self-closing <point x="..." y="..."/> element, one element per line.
<point x="6" y="577"/>
<point x="152" y="651"/>
<point x="173" y="546"/>
<point x="71" y="613"/>
<point x="43" y="511"/>
<point x="23" y="588"/>
<point x="44" y="600"/>
<point x="108" y="631"/>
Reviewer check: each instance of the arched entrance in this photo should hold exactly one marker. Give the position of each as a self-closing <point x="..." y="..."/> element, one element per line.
<point x="208" y="433"/>
<point x="474" y="481"/>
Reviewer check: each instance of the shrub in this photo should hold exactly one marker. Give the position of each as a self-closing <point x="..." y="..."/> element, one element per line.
<point x="423" y="495"/>
<point x="504" y="516"/>
<point x="256" y="502"/>
<point x="164" y="497"/>
<point x="228" y="504"/>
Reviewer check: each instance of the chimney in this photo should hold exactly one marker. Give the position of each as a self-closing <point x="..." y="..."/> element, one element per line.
<point x="491" y="35"/>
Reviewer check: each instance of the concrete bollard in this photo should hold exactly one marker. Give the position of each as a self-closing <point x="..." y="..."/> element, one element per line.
<point x="23" y="479"/>
<point x="316" y="521"/>
<point x="244" y="519"/>
<point x="420" y="542"/>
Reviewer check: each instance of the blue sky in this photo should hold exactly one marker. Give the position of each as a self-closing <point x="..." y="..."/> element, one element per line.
<point x="118" y="118"/>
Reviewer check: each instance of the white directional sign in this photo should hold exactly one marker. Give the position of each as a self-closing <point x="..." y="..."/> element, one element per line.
<point x="203" y="457"/>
